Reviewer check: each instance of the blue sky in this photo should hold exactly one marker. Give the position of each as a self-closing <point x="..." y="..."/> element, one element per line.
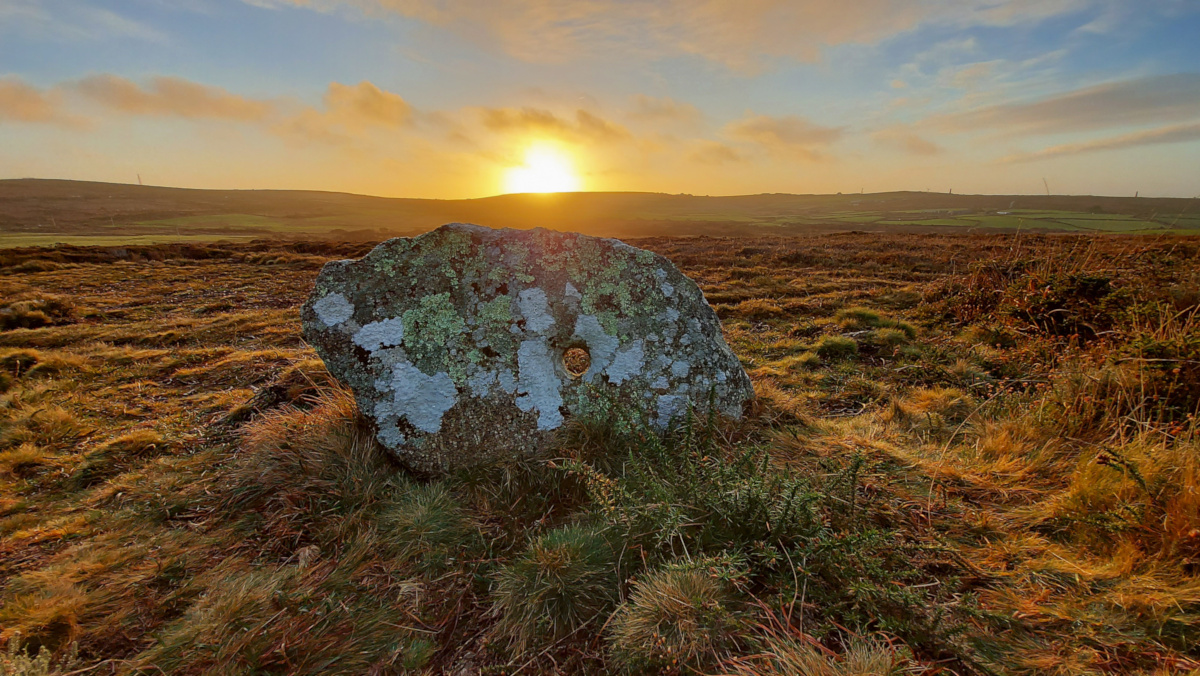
<point x="431" y="98"/>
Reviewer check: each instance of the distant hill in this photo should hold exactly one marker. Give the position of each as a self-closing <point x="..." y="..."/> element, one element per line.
<point x="36" y="211"/>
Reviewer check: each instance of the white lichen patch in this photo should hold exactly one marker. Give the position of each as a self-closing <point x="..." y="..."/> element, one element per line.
<point x="482" y="382"/>
<point x="627" y="363"/>
<point x="680" y="368"/>
<point x="670" y="406"/>
<point x="419" y="399"/>
<point x="536" y="310"/>
<point x="600" y="345"/>
<point x="376" y="335"/>
<point x="333" y="309"/>
<point x="539" y="386"/>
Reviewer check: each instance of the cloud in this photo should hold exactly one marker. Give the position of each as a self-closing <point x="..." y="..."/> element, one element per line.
<point x="347" y="111"/>
<point x="970" y="76"/>
<point x="310" y="126"/>
<point x="72" y="20"/>
<point x="714" y="153"/>
<point x="350" y="111"/>
<point x="365" y="104"/>
<point x="538" y="121"/>
<point x="788" y="134"/>
<point x="664" y="109"/>
<point x="21" y="102"/>
<point x="742" y="34"/>
<point x="172" y="97"/>
<point x="904" y="138"/>
<point x="1163" y="98"/>
<point x="1180" y="133"/>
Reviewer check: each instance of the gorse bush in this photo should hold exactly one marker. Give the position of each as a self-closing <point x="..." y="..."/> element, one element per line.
<point x="668" y="499"/>
<point x="679" y="493"/>
<point x="1061" y="296"/>
<point x="17" y="661"/>
<point x="1165" y="344"/>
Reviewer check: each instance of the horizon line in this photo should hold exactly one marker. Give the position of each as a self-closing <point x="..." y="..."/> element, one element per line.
<point x="948" y="193"/>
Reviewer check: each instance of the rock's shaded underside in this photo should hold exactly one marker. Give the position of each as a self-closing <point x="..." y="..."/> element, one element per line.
<point x="453" y="341"/>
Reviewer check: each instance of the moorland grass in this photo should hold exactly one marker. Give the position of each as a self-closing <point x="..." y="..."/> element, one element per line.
<point x="1008" y="487"/>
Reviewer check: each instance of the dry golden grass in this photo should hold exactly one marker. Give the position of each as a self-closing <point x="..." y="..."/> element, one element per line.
<point x="184" y="489"/>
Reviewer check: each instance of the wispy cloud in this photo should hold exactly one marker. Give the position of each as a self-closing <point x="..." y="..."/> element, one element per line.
<point x="171" y="97"/>
<point x="350" y="111"/>
<point x="73" y="20"/>
<point x="1180" y="133"/>
<point x="585" y="126"/>
<point x="715" y="153"/>
<point x="365" y="104"/>
<point x="22" y="102"/>
<point x="742" y="34"/>
<point x="1148" y="100"/>
<point x="902" y="137"/>
<point x="664" y="109"/>
<point x="347" y="111"/>
<point x="789" y="135"/>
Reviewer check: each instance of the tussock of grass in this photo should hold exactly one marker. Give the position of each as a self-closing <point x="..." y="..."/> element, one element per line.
<point x="680" y="619"/>
<point x="426" y="525"/>
<point x="562" y="582"/>
<point x="784" y="405"/>
<point x="836" y="347"/>
<point x="23" y="460"/>
<point x="758" y="308"/>
<point x="46" y="609"/>
<point x="310" y="475"/>
<point x="47" y="425"/>
<point x="788" y="656"/>
<point x="1144" y="491"/>
<point x="888" y="337"/>
<point x="930" y="410"/>
<point x="35" y="311"/>
<point x="117" y="455"/>
<point x="860" y="319"/>
<point x="18" y="362"/>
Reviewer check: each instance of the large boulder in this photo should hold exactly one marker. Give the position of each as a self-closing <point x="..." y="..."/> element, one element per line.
<point x="467" y="344"/>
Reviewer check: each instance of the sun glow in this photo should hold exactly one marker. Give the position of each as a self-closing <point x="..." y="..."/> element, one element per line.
<point x="546" y="169"/>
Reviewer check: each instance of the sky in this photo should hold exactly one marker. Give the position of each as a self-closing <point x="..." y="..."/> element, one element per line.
<point x="470" y="98"/>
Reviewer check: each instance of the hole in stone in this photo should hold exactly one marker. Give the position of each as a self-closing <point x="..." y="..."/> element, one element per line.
<point x="577" y="361"/>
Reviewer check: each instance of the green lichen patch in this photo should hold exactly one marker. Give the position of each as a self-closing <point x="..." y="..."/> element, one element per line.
<point x="433" y="332"/>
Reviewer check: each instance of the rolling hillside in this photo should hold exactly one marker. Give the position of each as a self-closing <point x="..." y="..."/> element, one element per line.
<point x="34" y="211"/>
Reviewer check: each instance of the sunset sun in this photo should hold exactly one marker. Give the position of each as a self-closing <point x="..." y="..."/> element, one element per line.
<point x="546" y="169"/>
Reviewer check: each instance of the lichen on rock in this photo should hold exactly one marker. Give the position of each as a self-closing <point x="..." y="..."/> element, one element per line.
<point x="453" y="342"/>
